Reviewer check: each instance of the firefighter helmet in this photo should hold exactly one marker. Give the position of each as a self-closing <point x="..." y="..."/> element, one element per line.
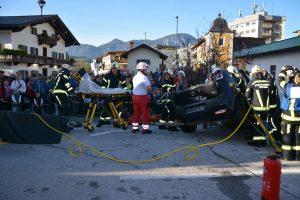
<point x="66" y="66"/>
<point x="232" y="69"/>
<point x="256" y="69"/>
<point x="142" y="65"/>
<point x="215" y="68"/>
<point x="114" y="65"/>
<point x="168" y="71"/>
<point x="181" y="73"/>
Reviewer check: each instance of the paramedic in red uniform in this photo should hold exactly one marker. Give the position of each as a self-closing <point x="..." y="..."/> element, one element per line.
<point x="140" y="99"/>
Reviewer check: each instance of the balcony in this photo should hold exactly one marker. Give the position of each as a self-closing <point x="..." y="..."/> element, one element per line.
<point x="267" y="34"/>
<point x="46" y="39"/>
<point x="32" y="59"/>
<point x="267" y="25"/>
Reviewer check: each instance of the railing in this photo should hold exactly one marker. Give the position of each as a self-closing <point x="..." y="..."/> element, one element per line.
<point x="32" y="59"/>
<point x="46" y="39"/>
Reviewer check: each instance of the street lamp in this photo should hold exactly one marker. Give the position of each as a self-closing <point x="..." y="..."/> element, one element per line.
<point x="41" y="4"/>
<point x="176" y="56"/>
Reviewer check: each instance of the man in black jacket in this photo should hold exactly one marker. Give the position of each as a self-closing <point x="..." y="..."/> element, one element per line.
<point x="114" y="79"/>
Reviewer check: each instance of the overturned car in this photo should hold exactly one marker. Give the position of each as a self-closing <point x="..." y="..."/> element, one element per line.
<point x="212" y="101"/>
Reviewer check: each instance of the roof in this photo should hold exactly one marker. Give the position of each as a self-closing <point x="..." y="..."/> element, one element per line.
<point x="198" y="43"/>
<point x="274" y="47"/>
<point x="161" y="55"/>
<point x="220" y="25"/>
<point x="18" y="23"/>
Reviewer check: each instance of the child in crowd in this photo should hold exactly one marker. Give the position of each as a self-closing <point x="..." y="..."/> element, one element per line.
<point x="16" y="101"/>
<point x="38" y="103"/>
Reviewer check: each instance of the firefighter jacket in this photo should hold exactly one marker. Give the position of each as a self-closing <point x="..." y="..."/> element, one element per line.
<point x="290" y="103"/>
<point x="168" y="85"/>
<point x="274" y="98"/>
<point x="112" y="81"/>
<point x="258" y="93"/>
<point x="239" y="81"/>
<point x="62" y="83"/>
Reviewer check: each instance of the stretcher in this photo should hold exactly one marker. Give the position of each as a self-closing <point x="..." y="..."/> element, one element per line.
<point x="115" y="97"/>
<point x="114" y="102"/>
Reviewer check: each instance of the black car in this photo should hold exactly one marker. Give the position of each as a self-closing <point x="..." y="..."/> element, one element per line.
<point x="212" y="101"/>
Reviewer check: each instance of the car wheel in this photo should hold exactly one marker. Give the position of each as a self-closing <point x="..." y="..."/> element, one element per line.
<point x="188" y="128"/>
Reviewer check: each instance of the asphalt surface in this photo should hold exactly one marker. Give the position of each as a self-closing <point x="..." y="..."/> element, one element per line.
<point x="231" y="170"/>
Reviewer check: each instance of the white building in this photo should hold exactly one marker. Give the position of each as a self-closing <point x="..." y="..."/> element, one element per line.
<point x="260" y="25"/>
<point x="273" y="56"/>
<point x="147" y="54"/>
<point x="34" y="44"/>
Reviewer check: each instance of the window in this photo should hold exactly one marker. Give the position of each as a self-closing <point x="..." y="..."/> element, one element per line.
<point x="247" y="31"/>
<point x="221" y="41"/>
<point x="45" y="32"/>
<point x="247" y="24"/>
<point x="242" y="33"/>
<point x="273" y="70"/>
<point x="20" y="46"/>
<point x="253" y="22"/>
<point x="143" y="60"/>
<point x="253" y="30"/>
<point x="54" y="54"/>
<point x="236" y="26"/>
<point x="33" y="30"/>
<point x="61" y="56"/>
<point x="34" y="51"/>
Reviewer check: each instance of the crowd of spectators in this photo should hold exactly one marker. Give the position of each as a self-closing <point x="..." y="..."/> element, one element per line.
<point x="33" y="93"/>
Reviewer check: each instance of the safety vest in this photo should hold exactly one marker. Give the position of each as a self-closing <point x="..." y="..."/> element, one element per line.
<point x="168" y="85"/>
<point x="291" y="98"/>
<point x="111" y="81"/>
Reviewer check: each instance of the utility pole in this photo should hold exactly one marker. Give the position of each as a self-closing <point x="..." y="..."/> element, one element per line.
<point x="176" y="56"/>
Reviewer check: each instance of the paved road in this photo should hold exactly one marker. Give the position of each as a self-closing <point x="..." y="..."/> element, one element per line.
<point x="231" y="170"/>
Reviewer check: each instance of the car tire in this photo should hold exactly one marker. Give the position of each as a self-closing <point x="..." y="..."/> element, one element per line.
<point x="188" y="128"/>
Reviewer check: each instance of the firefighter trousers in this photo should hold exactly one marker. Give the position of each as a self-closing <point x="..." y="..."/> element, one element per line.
<point x="63" y="103"/>
<point x="290" y="141"/>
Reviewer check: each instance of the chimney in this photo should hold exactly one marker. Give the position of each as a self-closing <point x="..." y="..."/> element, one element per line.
<point x="131" y="44"/>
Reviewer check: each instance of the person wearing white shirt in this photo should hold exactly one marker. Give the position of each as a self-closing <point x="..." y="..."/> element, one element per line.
<point x="19" y="84"/>
<point x="140" y="99"/>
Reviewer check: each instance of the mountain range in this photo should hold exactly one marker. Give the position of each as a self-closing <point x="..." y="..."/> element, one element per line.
<point x="92" y="52"/>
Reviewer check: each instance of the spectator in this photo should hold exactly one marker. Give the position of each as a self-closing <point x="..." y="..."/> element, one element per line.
<point x="38" y="103"/>
<point x="39" y="86"/>
<point x="19" y="84"/>
<point x="16" y="101"/>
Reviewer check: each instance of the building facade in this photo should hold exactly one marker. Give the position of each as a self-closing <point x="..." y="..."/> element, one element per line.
<point x="34" y="44"/>
<point x="271" y="57"/>
<point x="144" y="53"/>
<point x="260" y="25"/>
<point x="216" y="46"/>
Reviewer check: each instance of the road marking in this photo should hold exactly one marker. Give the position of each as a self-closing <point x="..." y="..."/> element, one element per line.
<point x="106" y="132"/>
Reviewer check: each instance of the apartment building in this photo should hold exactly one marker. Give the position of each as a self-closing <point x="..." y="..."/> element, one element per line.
<point x="260" y="25"/>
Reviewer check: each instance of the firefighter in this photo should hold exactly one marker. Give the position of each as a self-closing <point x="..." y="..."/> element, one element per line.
<point x="168" y="88"/>
<point x="62" y="89"/>
<point x="290" y="105"/>
<point x="258" y="95"/>
<point x="140" y="99"/>
<point x="236" y="76"/>
<point x="274" y="117"/>
<point x="114" y="79"/>
<point x="181" y="83"/>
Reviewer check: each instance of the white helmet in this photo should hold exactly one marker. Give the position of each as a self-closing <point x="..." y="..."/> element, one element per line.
<point x="114" y="65"/>
<point x="142" y="65"/>
<point x="232" y="69"/>
<point x="255" y="69"/>
<point x="169" y="71"/>
<point x="215" y="68"/>
<point x="66" y="66"/>
<point x="181" y="73"/>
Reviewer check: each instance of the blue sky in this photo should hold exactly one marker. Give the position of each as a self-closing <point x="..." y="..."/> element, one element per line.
<point x="99" y="21"/>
